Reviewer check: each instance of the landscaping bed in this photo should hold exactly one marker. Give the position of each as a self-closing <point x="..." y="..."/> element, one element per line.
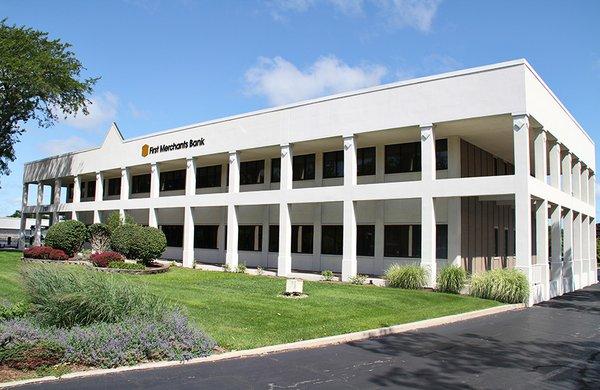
<point x="152" y="268"/>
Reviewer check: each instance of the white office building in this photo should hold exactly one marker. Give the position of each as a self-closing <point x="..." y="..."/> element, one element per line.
<point x="482" y="168"/>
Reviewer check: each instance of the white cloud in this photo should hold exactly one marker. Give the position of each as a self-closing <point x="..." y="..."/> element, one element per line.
<point x="102" y="110"/>
<point x="136" y="112"/>
<point x="395" y="14"/>
<point x="282" y="82"/>
<point x="59" y="146"/>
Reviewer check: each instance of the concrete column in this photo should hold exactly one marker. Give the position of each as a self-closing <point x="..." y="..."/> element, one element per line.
<point x="190" y="176"/>
<point x="592" y="189"/>
<point x="37" y="240"/>
<point x="349" y="265"/>
<point x="265" y="233"/>
<point x="188" y="237"/>
<point x="577" y="232"/>
<point x="56" y="200"/>
<point x="284" y="258"/>
<point x="454" y="205"/>
<point x="152" y="217"/>
<point x="555" y="165"/>
<point x="40" y="194"/>
<point x="74" y="216"/>
<point x="379" y="236"/>
<point x="567" y="173"/>
<point x="556" y="265"/>
<point x="568" y="280"/>
<point x="23" y="225"/>
<point x="585" y="178"/>
<point x="428" y="176"/>
<point x="522" y="195"/>
<point x="577" y="179"/>
<point x="97" y="216"/>
<point x="541" y="238"/>
<point x="317" y="232"/>
<point x="154" y="180"/>
<point x="585" y="250"/>
<point x="232" y="256"/>
<point x="234" y="172"/>
<point x="77" y="189"/>
<point x="125" y="178"/>
<point x="540" y="146"/>
<point x="593" y="274"/>
<point x="99" y="196"/>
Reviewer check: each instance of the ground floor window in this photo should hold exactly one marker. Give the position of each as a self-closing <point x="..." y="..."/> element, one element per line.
<point x="365" y="240"/>
<point x="250" y="238"/>
<point x="441" y="241"/>
<point x="400" y="240"/>
<point x="302" y="238"/>
<point x="332" y="239"/>
<point x="174" y="235"/>
<point x="206" y="236"/>
<point x="274" y="238"/>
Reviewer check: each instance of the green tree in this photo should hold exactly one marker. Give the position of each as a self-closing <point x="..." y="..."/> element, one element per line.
<point x="16" y="214"/>
<point x="40" y="80"/>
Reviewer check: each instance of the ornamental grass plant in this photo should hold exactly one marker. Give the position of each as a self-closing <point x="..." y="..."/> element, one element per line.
<point x="503" y="285"/>
<point x="410" y="277"/>
<point x="451" y="279"/>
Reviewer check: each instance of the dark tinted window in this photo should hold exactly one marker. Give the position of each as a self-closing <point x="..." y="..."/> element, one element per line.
<point x="250" y="238"/>
<point x="140" y="184"/>
<point x="365" y="159"/>
<point x="333" y="164"/>
<point x="275" y="170"/>
<point x="441" y="154"/>
<point x="401" y="158"/>
<point x="396" y="240"/>
<point x="206" y="236"/>
<point x="70" y="192"/>
<point x="304" y="167"/>
<point x="365" y="240"/>
<point x="274" y="238"/>
<point x="172" y="180"/>
<point x="114" y="186"/>
<point x="441" y="242"/>
<point x="91" y="189"/>
<point x="302" y="239"/>
<point x="174" y="234"/>
<point x="207" y="177"/>
<point x="332" y="239"/>
<point x="252" y="172"/>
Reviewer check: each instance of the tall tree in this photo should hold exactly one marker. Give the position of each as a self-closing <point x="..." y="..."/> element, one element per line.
<point x="40" y="80"/>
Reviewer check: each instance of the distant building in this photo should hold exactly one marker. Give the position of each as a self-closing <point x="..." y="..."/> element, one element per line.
<point x="10" y="231"/>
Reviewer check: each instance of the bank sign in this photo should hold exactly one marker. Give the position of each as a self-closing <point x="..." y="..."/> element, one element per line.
<point x="193" y="143"/>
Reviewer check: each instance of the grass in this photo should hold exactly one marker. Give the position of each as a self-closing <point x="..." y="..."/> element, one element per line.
<point x="241" y="311"/>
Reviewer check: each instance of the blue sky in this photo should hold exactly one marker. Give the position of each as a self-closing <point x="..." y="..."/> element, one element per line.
<point x="169" y="63"/>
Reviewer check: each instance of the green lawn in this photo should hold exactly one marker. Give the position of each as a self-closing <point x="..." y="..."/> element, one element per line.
<point x="243" y="311"/>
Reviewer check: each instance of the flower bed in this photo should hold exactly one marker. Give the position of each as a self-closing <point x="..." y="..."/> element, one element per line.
<point x="45" y="253"/>
<point x="122" y="267"/>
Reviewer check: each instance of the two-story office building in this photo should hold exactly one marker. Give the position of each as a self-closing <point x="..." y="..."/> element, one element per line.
<point x="482" y="168"/>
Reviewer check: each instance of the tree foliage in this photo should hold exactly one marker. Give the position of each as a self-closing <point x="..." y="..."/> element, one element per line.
<point x="40" y="80"/>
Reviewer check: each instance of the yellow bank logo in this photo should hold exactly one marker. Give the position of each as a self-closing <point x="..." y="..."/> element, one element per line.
<point x="145" y="150"/>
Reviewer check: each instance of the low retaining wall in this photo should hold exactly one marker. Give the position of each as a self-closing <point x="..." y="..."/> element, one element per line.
<point x="148" y="271"/>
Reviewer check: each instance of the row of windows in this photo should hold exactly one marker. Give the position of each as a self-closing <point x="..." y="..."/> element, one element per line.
<point x="399" y="240"/>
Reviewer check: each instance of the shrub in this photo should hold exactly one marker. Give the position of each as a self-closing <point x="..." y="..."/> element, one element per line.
<point x="358" y="279"/>
<point x="115" y="220"/>
<point x="99" y="237"/>
<point x="411" y="277"/>
<point x="31" y="355"/>
<point x="503" y="285"/>
<point x="37" y="252"/>
<point x="121" y="237"/>
<point x="147" y="244"/>
<point x="124" y="265"/>
<point x="451" y="279"/>
<point x="226" y="267"/>
<point x="10" y="311"/>
<point x="67" y="235"/>
<point x="260" y="270"/>
<point x="102" y="259"/>
<point x="58" y="254"/>
<point x="327" y="275"/>
<point x="241" y="268"/>
<point x="62" y="296"/>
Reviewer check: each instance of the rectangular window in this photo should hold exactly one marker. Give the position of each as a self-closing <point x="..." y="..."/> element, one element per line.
<point x="333" y="164"/>
<point x="275" y="170"/>
<point x="207" y="177"/>
<point x="206" y="236"/>
<point x="252" y="172"/>
<point x="114" y="186"/>
<point x="506" y="242"/>
<point x="273" y="238"/>
<point x="441" y="154"/>
<point x="365" y="159"/>
<point x="416" y="241"/>
<point x="250" y="238"/>
<point x="365" y="240"/>
<point x="172" y="180"/>
<point x="174" y="235"/>
<point x="304" y="167"/>
<point x="140" y="184"/>
<point x="70" y="192"/>
<point x="396" y="239"/>
<point x="91" y="189"/>
<point x="496" y="241"/>
<point x="400" y="158"/>
<point x="441" y="241"/>
<point x="332" y="237"/>
<point x="302" y="238"/>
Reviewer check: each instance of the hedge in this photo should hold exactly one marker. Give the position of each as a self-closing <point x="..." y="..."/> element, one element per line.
<point x="68" y="236"/>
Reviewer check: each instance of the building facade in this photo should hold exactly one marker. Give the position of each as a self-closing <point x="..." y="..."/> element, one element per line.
<point x="482" y="168"/>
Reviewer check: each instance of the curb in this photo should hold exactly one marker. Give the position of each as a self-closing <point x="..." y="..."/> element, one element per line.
<point x="304" y="344"/>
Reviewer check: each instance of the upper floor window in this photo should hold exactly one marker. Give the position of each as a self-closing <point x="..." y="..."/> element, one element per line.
<point x="114" y="186"/>
<point x="333" y="164"/>
<point x="140" y="184"/>
<point x="365" y="159"/>
<point x="70" y="192"/>
<point x="441" y="154"/>
<point x="275" y="170"/>
<point x="304" y="167"/>
<point x="172" y="180"/>
<point x="252" y="172"/>
<point x="401" y="158"/>
<point x="91" y="189"/>
<point x="208" y="176"/>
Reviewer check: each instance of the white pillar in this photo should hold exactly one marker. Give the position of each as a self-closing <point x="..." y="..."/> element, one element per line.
<point x="284" y="257"/>
<point x="577" y="231"/>
<point x="593" y="273"/>
<point x="125" y="178"/>
<point x="188" y="237"/>
<point x="77" y="189"/>
<point x="556" y="265"/>
<point x="349" y="265"/>
<point x="585" y="179"/>
<point x="40" y="194"/>
<point x="568" y="255"/>
<point x="99" y="196"/>
<point x="577" y="179"/>
<point x="567" y="173"/>
<point x="592" y="189"/>
<point x="190" y="176"/>
<point x="555" y="165"/>
<point x="154" y="180"/>
<point x="234" y="172"/>
<point x="540" y="146"/>
<point x="585" y="250"/>
<point x="541" y="238"/>
<point x="37" y="241"/>
<point x="23" y="225"/>
<point x="232" y="256"/>
<point x="454" y="205"/>
<point x="56" y="200"/>
<point x="428" y="176"/>
<point x="522" y="196"/>
<point x="153" y="217"/>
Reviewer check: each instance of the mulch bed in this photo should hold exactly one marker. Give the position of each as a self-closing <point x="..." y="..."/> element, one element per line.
<point x="155" y="268"/>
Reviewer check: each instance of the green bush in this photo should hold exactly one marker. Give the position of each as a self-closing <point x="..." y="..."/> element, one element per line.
<point x="358" y="279"/>
<point x="411" y="277"/>
<point x="451" y="279"/>
<point x="99" y="235"/>
<point x="10" y="311"/>
<point x="327" y="275"/>
<point x="241" y="268"/>
<point x="121" y="238"/>
<point x="124" y="265"/>
<point x="66" y="297"/>
<point x="503" y="285"/>
<point x="115" y="220"/>
<point x="67" y="235"/>
<point x="147" y="244"/>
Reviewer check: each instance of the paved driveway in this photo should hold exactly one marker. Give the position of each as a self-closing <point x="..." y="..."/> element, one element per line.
<point x="554" y="345"/>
